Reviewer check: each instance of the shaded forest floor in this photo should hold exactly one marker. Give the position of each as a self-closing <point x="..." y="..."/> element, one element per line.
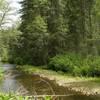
<point x="84" y="85"/>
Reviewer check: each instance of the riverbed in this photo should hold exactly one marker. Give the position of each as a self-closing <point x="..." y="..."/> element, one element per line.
<point x="33" y="85"/>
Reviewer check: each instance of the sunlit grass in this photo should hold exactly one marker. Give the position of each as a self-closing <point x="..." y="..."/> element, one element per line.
<point x="11" y="96"/>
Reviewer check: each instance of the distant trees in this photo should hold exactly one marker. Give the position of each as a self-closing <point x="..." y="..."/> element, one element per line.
<point x="7" y="34"/>
<point x="43" y="29"/>
<point x="8" y="39"/>
<point x="5" y="11"/>
<point x="79" y="14"/>
<point x="34" y="41"/>
<point x="57" y="27"/>
<point x="51" y="27"/>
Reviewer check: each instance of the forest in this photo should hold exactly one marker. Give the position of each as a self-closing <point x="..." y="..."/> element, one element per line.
<point x="58" y="35"/>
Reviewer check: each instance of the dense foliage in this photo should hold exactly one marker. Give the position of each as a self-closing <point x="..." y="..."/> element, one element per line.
<point x="76" y="64"/>
<point x="50" y="28"/>
<point x="7" y="39"/>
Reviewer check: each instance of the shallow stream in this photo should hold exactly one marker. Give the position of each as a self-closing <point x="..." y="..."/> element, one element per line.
<point x="25" y="84"/>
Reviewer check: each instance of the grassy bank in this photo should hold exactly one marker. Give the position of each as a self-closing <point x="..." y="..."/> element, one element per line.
<point x="42" y="71"/>
<point x="85" y="85"/>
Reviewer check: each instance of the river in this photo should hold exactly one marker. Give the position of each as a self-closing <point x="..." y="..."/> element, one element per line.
<point x="32" y="85"/>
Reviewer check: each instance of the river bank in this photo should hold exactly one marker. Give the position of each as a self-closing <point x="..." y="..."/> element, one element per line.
<point x="84" y="85"/>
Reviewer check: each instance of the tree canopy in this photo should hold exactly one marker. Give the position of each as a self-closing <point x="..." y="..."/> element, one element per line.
<point x="52" y="27"/>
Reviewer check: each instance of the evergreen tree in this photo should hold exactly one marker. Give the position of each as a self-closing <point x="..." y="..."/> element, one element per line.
<point x="79" y="14"/>
<point x="51" y="27"/>
<point x="56" y="27"/>
<point x="34" y="28"/>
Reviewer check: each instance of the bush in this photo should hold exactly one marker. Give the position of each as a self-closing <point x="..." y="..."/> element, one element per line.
<point x="64" y="63"/>
<point x="76" y="64"/>
<point x="94" y="63"/>
<point x="16" y="60"/>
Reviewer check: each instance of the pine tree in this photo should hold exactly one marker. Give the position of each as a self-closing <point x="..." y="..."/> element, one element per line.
<point x="77" y="12"/>
<point x="34" y="29"/>
<point x="56" y="27"/>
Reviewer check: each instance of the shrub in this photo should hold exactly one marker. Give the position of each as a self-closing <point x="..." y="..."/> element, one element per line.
<point x="64" y="63"/>
<point x="94" y="63"/>
<point x="76" y="64"/>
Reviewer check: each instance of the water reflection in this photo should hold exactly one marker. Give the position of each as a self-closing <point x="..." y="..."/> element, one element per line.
<point x="9" y="85"/>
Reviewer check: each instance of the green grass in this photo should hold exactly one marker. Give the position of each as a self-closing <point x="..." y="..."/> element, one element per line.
<point x="1" y="73"/>
<point x="11" y="96"/>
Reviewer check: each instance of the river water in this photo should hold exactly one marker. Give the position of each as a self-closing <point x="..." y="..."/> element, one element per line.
<point x="25" y="84"/>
